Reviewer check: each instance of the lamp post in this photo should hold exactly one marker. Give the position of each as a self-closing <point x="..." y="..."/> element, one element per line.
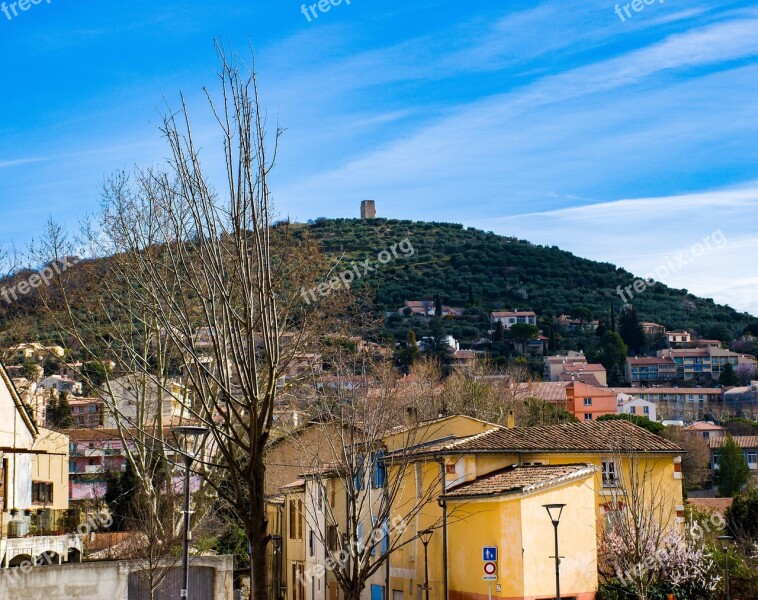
<point x="725" y="539"/>
<point x="189" y="443"/>
<point x="426" y="537"/>
<point x="555" y="511"/>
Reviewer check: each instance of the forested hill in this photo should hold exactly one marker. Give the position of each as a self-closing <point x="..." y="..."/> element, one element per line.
<point x="470" y="268"/>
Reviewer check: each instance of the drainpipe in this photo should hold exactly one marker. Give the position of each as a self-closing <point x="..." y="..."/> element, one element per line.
<point x="443" y="504"/>
<point x="386" y="531"/>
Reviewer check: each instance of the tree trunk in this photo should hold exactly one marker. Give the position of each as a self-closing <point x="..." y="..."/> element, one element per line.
<point x="258" y="533"/>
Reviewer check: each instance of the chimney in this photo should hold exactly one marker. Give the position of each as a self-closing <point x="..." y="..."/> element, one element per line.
<point x="411" y="416"/>
<point x="368" y="209"/>
<point x="510" y="420"/>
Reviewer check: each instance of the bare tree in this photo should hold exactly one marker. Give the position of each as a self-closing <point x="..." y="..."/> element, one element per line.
<point x="198" y="291"/>
<point x="696" y="463"/>
<point x="154" y="548"/>
<point x="642" y="548"/>
<point x="362" y="503"/>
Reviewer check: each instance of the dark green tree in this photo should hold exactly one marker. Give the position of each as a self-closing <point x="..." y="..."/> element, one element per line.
<point x="437" y="306"/>
<point x="59" y="413"/>
<point x="51" y="365"/>
<point x="499" y="332"/>
<point x="29" y="370"/>
<point x="631" y="330"/>
<point x="120" y="489"/>
<point x="522" y="333"/>
<point x="728" y="377"/>
<point x="733" y="471"/>
<point x="407" y="355"/>
<point x="639" y="420"/>
<point x="611" y="351"/>
<point x="437" y="347"/>
<point x="742" y="516"/>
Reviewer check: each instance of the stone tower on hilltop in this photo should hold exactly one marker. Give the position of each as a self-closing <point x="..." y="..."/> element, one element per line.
<point x="368" y="209"/>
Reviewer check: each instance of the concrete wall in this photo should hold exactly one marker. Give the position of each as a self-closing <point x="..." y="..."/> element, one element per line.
<point x="96" y="580"/>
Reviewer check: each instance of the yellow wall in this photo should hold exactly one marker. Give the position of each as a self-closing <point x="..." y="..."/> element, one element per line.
<point x="407" y="563"/>
<point x="52" y="466"/>
<point x="523" y="533"/>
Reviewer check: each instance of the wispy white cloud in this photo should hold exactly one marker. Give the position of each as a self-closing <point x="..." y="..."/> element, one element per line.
<point x="641" y="234"/>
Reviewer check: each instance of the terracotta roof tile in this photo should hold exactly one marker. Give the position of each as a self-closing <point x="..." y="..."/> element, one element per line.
<point x="743" y="441"/>
<point x="593" y="437"/>
<point x="519" y="479"/>
<point x="711" y="505"/>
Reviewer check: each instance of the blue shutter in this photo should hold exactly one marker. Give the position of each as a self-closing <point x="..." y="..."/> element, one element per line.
<point x="385" y="537"/>
<point x="379" y="473"/>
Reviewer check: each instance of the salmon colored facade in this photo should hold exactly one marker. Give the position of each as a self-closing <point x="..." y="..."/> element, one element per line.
<point x="590" y="402"/>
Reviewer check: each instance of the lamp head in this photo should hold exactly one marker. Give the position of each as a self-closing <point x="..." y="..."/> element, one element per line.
<point x="426" y="536"/>
<point x="190" y="441"/>
<point x="725" y="541"/>
<point x="555" y="511"/>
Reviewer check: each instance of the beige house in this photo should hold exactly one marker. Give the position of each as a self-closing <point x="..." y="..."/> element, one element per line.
<point x="33" y="486"/>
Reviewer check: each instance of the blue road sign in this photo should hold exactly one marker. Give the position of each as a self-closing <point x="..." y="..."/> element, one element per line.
<point x="489" y="553"/>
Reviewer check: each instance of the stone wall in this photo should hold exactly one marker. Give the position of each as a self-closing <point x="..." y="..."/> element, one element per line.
<point x="106" y="580"/>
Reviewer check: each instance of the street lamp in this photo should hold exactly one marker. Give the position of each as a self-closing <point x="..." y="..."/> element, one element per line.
<point x="555" y="511"/>
<point x="189" y="443"/>
<point x="725" y="539"/>
<point x="425" y="537"/>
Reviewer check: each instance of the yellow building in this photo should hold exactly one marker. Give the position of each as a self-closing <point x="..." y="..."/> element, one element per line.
<point x="471" y="485"/>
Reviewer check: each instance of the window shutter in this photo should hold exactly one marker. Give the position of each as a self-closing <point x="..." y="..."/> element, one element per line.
<point x="385" y="536"/>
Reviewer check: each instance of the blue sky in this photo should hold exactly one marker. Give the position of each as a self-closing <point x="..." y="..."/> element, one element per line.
<point x="627" y="141"/>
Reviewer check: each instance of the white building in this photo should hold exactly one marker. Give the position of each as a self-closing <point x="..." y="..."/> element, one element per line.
<point x="33" y="486"/>
<point x="632" y="405"/>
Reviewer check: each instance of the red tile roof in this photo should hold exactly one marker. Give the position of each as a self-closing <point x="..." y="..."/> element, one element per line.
<point x="711" y="505"/>
<point x="549" y="391"/>
<point x="645" y="360"/>
<point x="585" y="437"/>
<point x="519" y="479"/>
<point x="743" y="441"/>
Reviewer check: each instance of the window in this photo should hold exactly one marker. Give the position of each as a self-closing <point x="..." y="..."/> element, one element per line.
<point x="716" y="458"/>
<point x="312" y="543"/>
<point x="646" y="410"/>
<point x="379" y="472"/>
<point x="42" y="492"/>
<point x="360" y="474"/>
<point x="588" y="401"/>
<point x="632" y="410"/>
<point x="752" y="457"/>
<point x="610" y="478"/>
<point x="296" y="519"/>
<point x="450" y="469"/>
<point x="298" y="581"/>
<point x="588" y="416"/>
<point x="331" y="538"/>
